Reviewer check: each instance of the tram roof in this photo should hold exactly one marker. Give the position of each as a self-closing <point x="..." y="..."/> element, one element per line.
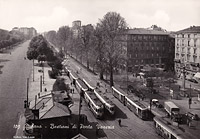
<point x="74" y="74"/>
<point x="83" y="85"/>
<point x="94" y="98"/>
<point x="119" y="90"/>
<point x="106" y="99"/>
<point x="172" y="129"/>
<point x="136" y="102"/>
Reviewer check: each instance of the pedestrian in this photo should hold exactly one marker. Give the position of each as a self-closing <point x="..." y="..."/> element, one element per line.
<point x="119" y="121"/>
<point x="45" y="90"/>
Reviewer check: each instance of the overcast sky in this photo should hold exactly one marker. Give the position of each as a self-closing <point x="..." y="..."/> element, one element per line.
<point x="45" y="15"/>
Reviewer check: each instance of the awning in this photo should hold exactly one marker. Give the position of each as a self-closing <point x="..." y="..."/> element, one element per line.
<point x="197" y="75"/>
<point x="141" y="73"/>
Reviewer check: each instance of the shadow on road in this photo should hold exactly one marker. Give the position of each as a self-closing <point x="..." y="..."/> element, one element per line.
<point x="118" y="114"/>
<point x="4" y="60"/>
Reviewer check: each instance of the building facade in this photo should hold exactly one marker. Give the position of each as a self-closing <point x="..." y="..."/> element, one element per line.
<point x="76" y="28"/>
<point x="187" y="51"/>
<point x="27" y="32"/>
<point x="147" y="47"/>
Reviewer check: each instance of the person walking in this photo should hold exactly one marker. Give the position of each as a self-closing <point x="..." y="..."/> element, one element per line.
<point x="119" y="121"/>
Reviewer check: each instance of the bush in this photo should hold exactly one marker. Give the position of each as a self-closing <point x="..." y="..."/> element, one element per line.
<point x="52" y="74"/>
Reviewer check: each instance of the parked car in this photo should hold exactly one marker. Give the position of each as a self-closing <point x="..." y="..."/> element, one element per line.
<point x="192" y="80"/>
<point x="156" y="103"/>
<point x="192" y="116"/>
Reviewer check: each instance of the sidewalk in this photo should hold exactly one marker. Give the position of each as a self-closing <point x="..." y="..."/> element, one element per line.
<point x="34" y="89"/>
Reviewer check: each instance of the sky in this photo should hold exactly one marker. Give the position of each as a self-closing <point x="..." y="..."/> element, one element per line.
<point x="46" y="15"/>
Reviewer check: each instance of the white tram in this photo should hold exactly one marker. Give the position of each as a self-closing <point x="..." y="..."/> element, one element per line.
<point x="94" y="104"/>
<point x="81" y="86"/>
<point x="137" y="107"/>
<point x="163" y="129"/>
<point x="116" y="93"/>
<point x="108" y="104"/>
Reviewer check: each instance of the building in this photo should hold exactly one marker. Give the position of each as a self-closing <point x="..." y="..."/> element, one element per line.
<point x="49" y="119"/>
<point x="187" y="51"/>
<point x="148" y="47"/>
<point x="76" y="28"/>
<point x="28" y="32"/>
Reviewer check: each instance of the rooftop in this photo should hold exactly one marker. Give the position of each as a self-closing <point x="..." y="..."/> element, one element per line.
<point x="146" y="31"/>
<point x="191" y="29"/>
<point x="49" y="109"/>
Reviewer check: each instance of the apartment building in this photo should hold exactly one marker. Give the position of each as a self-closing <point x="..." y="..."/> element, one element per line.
<point x="27" y="32"/>
<point x="187" y="51"/>
<point x="76" y="28"/>
<point x="148" y="47"/>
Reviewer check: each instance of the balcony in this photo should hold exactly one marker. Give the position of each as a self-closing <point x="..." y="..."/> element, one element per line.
<point x="177" y="60"/>
<point x="194" y="64"/>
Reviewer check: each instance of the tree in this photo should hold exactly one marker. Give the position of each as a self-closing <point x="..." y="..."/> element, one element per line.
<point x="51" y="37"/>
<point x="100" y="49"/>
<point x="113" y="26"/>
<point x="41" y="58"/>
<point x="39" y="46"/>
<point x="86" y="37"/>
<point x="60" y="85"/>
<point x="63" y="36"/>
<point x="32" y="54"/>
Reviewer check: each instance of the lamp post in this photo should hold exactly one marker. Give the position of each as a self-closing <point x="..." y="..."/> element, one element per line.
<point x="33" y="70"/>
<point x="190" y="90"/>
<point x="184" y="77"/>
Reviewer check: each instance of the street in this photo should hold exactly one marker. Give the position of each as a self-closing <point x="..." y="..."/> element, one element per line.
<point x="13" y="84"/>
<point x="131" y="125"/>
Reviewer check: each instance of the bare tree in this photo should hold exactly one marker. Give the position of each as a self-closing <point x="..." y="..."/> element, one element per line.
<point x="63" y="36"/>
<point x="100" y="49"/>
<point x="113" y="25"/>
<point x="86" y="37"/>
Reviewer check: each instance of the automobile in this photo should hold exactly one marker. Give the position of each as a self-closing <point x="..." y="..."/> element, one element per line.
<point x="156" y="103"/>
<point x="192" y="116"/>
<point x="192" y="80"/>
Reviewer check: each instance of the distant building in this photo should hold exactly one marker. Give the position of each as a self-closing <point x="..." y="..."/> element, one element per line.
<point x="76" y="28"/>
<point x="187" y="51"/>
<point x="28" y="32"/>
<point x="147" y="47"/>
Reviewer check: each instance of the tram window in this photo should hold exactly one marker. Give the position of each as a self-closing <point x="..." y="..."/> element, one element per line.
<point x="111" y="108"/>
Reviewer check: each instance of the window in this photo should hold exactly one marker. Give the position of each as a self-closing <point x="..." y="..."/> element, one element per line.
<point x="188" y="50"/>
<point x="195" y="51"/>
<point x="188" y="43"/>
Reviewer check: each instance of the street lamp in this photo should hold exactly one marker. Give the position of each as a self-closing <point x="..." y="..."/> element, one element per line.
<point x="184" y="77"/>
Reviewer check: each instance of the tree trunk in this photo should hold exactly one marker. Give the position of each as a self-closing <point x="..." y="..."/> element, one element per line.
<point x="111" y="76"/>
<point x="87" y="59"/>
<point x="101" y="74"/>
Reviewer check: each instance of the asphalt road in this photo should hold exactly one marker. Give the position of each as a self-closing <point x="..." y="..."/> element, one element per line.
<point x="13" y="88"/>
<point x="132" y="126"/>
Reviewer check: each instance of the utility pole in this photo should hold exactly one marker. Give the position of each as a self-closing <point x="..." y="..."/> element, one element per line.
<point x="41" y="83"/>
<point x="127" y="74"/>
<point x="43" y="72"/>
<point x="33" y="69"/>
<point x="27" y="81"/>
<point x="79" y="113"/>
<point x="184" y="78"/>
